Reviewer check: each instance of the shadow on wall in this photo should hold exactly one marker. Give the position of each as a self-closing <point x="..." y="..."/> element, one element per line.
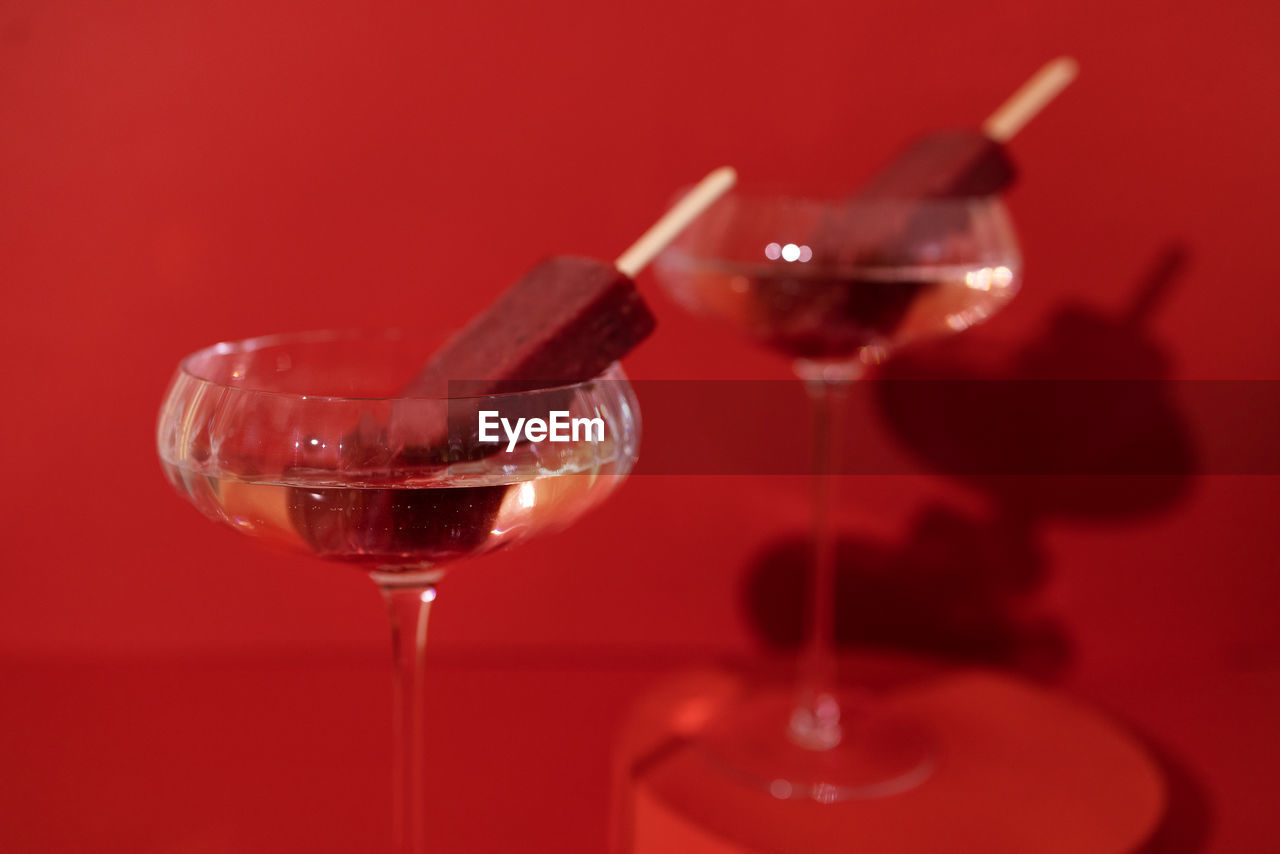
<point x="962" y="586"/>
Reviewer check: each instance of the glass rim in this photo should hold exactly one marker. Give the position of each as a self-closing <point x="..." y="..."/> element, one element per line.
<point x="774" y="192"/>
<point x="764" y="205"/>
<point x="321" y="336"/>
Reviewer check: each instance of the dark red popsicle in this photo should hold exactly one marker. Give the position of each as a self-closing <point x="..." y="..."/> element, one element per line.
<point x="947" y="164"/>
<point x="964" y="163"/>
<point x="564" y="322"/>
<point x="943" y="164"/>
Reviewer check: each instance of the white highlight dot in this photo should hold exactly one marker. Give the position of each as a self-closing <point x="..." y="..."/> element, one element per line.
<point x="790" y="252"/>
<point x="979" y="280"/>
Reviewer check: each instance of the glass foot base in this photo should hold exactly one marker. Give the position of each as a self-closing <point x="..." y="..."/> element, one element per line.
<point x="869" y="751"/>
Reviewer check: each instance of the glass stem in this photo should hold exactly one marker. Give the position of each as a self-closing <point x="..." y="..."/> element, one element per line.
<point x="815" y="722"/>
<point x="408" y="599"/>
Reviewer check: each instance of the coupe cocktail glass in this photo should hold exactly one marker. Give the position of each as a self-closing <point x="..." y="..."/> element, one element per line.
<point x="303" y="441"/>
<point x="836" y="285"/>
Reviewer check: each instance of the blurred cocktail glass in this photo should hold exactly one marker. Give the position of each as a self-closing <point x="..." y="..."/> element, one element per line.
<point x="836" y="286"/>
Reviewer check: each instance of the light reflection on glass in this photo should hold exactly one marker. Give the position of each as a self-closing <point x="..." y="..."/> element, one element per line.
<point x="987" y="278"/>
<point x="788" y="252"/>
<point x="979" y="280"/>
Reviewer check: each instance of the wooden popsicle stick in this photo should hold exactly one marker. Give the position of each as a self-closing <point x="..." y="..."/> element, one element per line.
<point x="675" y="220"/>
<point x="1032" y="97"/>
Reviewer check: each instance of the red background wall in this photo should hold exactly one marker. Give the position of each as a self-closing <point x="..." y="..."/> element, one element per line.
<point x="178" y="173"/>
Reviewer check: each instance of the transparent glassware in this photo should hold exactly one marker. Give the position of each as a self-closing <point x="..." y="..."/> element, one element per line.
<point x="303" y="441"/>
<point x="836" y="285"/>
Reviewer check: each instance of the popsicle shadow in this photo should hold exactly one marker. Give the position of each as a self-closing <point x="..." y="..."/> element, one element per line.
<point x="960" y="586"/>
<point x="1045" y="431"/>
<point x="953" y="589"/>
